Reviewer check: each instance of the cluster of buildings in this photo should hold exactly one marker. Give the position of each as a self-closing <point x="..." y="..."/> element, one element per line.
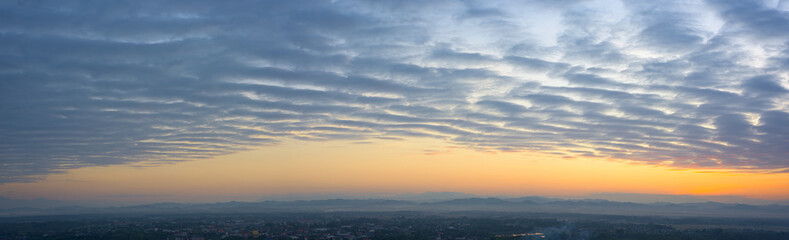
<point x="196" y="227"/>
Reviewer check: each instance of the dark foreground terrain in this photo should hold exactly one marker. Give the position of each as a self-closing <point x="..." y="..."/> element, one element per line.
<point x="388" y="225"/>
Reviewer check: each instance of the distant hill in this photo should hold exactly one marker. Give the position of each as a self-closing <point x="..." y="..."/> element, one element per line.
<point x="420" y="197"/>
<point x="433" y="196"/>
<point x="506" y="205"/>
<point x="473" y="201"/>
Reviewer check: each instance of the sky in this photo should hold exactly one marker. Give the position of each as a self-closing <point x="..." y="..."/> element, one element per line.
<point x="183" y="100"/>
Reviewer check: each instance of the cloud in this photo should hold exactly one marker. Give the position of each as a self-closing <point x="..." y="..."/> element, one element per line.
<point x="754" y="17"/>
<point x="763" y="85"/>
<point x="92" y="84"/>
<point x="480" y="13"/>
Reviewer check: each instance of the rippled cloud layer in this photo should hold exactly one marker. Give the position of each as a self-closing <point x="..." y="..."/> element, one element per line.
<point x="685" y="84"/>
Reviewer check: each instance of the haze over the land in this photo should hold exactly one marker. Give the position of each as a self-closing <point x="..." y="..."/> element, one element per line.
<point x="200" y="101"/>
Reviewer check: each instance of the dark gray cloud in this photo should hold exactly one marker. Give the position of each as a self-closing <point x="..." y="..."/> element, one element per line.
<point x="92" y="83"/>
<point x="754" y="17"/>
<point x="667" y="26"/>
<point x="763" y="85"/>
<point x="472" y="13"/>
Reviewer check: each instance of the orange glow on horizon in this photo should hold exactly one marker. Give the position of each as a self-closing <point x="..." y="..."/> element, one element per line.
<point x="388" y="167"/>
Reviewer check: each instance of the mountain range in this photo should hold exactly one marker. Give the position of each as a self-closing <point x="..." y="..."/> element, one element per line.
<point x="531" y="204"/>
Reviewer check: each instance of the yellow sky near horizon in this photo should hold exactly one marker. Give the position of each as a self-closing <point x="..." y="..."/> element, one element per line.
<point x="387" y="166"/>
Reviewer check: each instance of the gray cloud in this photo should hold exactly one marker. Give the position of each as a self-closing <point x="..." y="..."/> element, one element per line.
<point x="763" y="85"/>
<point x="754" y="17"/>
<point x="88" y="83"/>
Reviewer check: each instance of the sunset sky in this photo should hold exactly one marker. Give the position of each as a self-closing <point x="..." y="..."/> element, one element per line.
<point x="184" y="101"/>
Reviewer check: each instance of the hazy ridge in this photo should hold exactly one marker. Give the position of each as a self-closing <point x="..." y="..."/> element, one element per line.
<point x="531" y="204"/>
